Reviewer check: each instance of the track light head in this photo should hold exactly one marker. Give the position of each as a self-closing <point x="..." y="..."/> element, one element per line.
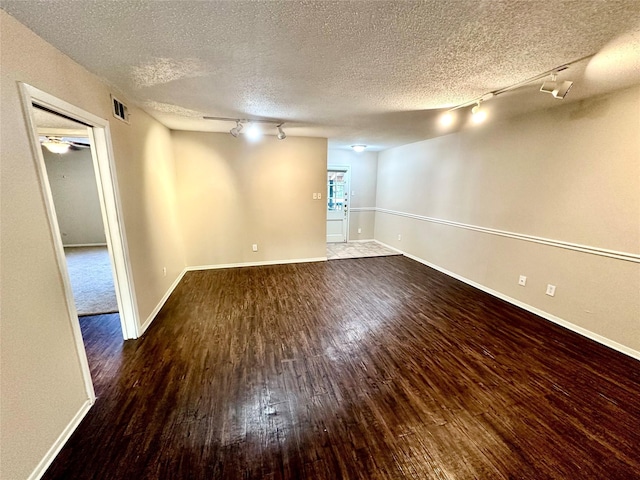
<point x="254" y="132"/>
<point x="235" y="131"/>
<point x="562" y="89"/>
<point x="477" y="114"/>
<point x="555" y="88"/>
<point x="281" y="134"/>
<point x="446" y="119"/>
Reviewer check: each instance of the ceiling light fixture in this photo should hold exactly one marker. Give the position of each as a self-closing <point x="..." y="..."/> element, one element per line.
<point x="477" y="114"/>
<point x="446" y="119"/>
<point x="55" y="145"/>
<point x="359" y="148"/>
<point x="555" y="88"/>
<point x="550" y="85"/>
<point x="562" y="89"/>
<point x="253" y="131"/>
<point x="235" y="131"/>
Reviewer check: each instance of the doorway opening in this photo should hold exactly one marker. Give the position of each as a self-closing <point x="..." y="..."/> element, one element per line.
<point x="82" y="130"/>
<point x="337" y="204"/>
<point x="66" y="149"/>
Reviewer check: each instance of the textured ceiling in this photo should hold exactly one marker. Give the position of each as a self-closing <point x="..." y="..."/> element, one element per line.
<point x="372" y="72"/>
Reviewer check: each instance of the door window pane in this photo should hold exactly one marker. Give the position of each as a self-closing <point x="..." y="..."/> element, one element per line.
<point x="335" y="191"/>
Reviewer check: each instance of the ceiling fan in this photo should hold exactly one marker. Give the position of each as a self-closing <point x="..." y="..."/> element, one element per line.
<point x="62" y="144"/>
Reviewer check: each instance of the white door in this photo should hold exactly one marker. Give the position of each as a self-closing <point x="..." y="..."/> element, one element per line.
<point x="337" y="206"/>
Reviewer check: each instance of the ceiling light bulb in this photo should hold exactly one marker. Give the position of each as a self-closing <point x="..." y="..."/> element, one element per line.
<point x="254" y="132"/>
<point x="235" y="131"/>
<point x="56" y="146"/>
<point x="359" y="148"/>
<point x="478" y="115"/>
<point x="281" y="134"/>
<point x="446" y="120"/>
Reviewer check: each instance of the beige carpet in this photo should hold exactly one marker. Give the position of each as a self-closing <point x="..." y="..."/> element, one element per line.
<point x="91" y="280"/>
<point x="358" y="250"/>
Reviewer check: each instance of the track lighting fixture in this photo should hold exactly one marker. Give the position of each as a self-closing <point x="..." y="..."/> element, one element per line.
<point x="253" y="131"/>
<point x="55" y="145"/>
<point x="235" y="131"/>
<point x="359" y="148"/>
<point x="555" y="88"/>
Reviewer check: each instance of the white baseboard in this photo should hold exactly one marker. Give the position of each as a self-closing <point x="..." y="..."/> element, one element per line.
<point x="394" y="249"/>
<point x="255" y="264"/>
<point x="62" y="439"/>
<point x="145" y="325"/>
<point x="525" y="306"/>
<point x="75" y="245"/>
<point x="362" y="241"/>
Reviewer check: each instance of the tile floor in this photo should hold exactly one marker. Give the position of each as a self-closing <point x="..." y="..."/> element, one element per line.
<point x="337" y="251"/>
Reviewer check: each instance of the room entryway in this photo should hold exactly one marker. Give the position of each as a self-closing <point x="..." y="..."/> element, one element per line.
<point x="337" y="204"/>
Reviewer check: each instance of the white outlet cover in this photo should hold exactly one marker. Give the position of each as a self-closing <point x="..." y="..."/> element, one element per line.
<point x="522" y="280"/>
<point x="399" y="237"/>
<point x="315" y="196"/>
<point x="319" y="196"/>
<point x="255" y="247"/>
<point x="551" y="290"/>
<point x="359" y="230"/>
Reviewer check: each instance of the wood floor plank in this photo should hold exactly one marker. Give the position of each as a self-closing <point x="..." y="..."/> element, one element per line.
<point x="377" y="368"/>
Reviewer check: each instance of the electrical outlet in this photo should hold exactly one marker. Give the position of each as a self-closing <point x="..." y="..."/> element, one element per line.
<point x="399" y="237"/>
<point x="551" y="290"/>
<point x="359" y="230"/>
<point x="315" y="196"/>
<point x="522" y="280"/>
<point x="254" y="247"/>
<point x="164" y="271"/>
<point x="319" y="196"/>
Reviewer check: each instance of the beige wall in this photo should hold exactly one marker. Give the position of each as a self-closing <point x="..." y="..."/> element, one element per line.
<point x="364" y="170"/>
<point x="41" y="383"/>
<point x="75" y="195"/>
<point x="233" y="193"/>
<point x="570" y="173"/>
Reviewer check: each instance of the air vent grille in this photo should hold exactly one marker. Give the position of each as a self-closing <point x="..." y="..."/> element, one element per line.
<point x="120" y="110"/>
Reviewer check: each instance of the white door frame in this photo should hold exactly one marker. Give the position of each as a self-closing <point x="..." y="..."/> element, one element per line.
<point x="347" y="192"/>
<point x="102" y="154"/>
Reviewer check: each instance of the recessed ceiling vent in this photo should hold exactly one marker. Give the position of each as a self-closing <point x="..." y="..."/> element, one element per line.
<point x="120" y="110"/>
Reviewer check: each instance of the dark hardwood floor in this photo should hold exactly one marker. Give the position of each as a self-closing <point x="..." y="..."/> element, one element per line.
<point x="377" y="368"/>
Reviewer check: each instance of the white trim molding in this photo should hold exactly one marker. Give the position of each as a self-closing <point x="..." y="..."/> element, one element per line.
<point x="78" y="245"/>
<point x="255" y="264"/>
<point x="626" y="256"/>
<point x="363" y="209"/>
<point x="60" y="442"/>
<point x="525" y="306"/>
